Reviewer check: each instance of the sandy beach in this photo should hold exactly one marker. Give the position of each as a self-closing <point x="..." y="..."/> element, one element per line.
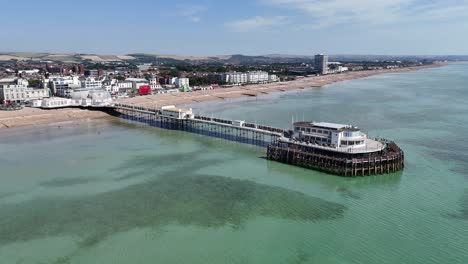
<point x="156" y="101"/>
<point x="33" y="116"/>
<point x="30" y="116"/>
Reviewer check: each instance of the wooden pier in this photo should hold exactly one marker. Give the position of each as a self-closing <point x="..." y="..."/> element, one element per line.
<point x="232" y="130"/>
<point x="388" y="160"/>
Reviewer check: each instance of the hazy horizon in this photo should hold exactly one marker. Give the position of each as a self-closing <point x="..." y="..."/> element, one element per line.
<point x="233" y="54"/>
<point x="212" y="28"/>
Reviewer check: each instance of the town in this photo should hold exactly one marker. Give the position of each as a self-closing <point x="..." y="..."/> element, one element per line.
<point x="55" y="84"/>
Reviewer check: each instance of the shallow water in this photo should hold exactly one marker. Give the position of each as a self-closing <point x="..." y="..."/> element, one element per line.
<point x="109" y="191"/>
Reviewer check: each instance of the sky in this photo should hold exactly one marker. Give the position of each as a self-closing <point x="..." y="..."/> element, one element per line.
<point x="251" y="27"/>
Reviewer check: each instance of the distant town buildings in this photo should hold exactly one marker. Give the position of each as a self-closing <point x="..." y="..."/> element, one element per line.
<point x="257" y="77"/>
<point x="239" y="78"/>
<point x="62" y="86"/>
<point x="181" y="82"/>
<point x="91" y="83"/>
<point x="321" y="63"/>
<point x="234" y="78"/>
<point x="17" y="90"/>
<point x="336" y="67"/>
<point x="95" y="73"/>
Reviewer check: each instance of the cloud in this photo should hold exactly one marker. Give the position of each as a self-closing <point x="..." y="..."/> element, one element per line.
<point x="257" y="23"/>
<point x="325" y="13"/>
<point x="191" y="12"/>
<point x="195" y="19"/>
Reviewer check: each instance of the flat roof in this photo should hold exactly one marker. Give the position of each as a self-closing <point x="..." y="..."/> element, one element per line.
<point x="176" y="109"/>
<point x="333" y="126"/>
<point x="330" y="125"/>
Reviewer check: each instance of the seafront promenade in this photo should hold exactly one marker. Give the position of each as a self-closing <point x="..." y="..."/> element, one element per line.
<point x="28" y="116"/>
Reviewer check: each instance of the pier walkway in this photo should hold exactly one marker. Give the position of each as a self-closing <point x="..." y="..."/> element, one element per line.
<point x="185" y="120"/>
<point x="381" y="158"/>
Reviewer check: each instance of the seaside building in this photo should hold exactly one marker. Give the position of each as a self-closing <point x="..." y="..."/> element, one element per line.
<point x="154" y="83"/>
<point x="321" y="63"/>
<point x="123" y="88"/>
<point x="91" y="83"/>
<point x="257" y="77"/>
<point x="19" y="92"/>
<point x="61" y="86"/>
<point x="336" y="67"/>
<point x="182" y="82"/>
<point x="137" y="82"/>
<point x="330" y="134"/>
<point x="273" y="78"/>
<point x="235" y="78"/>
<point x="79" y="98"/>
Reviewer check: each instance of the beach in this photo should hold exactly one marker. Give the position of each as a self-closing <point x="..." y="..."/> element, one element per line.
<point x="30" y="116"/>
<point x="34" y="116"/>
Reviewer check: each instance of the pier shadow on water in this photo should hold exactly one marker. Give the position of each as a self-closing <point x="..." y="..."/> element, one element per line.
<point x="190" y="199"/>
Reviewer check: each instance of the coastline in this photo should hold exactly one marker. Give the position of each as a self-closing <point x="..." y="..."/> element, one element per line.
<point x="157" y="101"/>
<point x="33" y="116"/>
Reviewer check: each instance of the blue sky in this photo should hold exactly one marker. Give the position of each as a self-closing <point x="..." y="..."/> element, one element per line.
<point x="254" y="27"/>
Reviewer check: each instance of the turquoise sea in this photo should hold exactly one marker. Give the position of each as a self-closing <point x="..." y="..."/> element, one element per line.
<point x="112" y="191"/>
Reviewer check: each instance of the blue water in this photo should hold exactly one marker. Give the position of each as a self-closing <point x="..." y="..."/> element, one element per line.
<point x="110" y="191"/>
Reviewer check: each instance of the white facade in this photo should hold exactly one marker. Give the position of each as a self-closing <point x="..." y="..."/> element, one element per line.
<point x="136" y="83"/>
<point x="234" y="77"/>
<point x="257" y="77"/>
<point x="92" y="98"/>
<point x="91" y="83"/>
<point x="182" y="82"/>
<point x="273" y="78"/>
<point x="154" y="83"/>
<point x="330" y="134"/>
<point x="20" y="92"/>
<point x="62" y="86"/>
<point x="174" y="112"/>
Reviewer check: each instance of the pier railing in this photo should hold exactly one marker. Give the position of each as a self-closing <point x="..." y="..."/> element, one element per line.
<point x="216" y="127"/>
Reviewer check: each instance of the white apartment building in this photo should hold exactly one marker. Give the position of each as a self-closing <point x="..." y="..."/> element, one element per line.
<point x="257" y="77"/>
<point x="273" y="78"/>
<point x="182" y="82"/>
<point x="91" y="83"/>
<point x="234" y="78"/>
<point x="115" y="86"/>
<point x="19" y="92"/>
<point x="137" y="82"/>
<point x="154" y="83"/>
<point x="61" y="86"/>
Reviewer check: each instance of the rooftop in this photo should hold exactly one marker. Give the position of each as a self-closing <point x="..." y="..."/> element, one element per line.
<point x="326" y="125"/>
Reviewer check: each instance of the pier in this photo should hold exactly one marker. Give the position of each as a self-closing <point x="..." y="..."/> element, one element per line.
<point x="183" y="120"/>
<point x="370" y="157"/>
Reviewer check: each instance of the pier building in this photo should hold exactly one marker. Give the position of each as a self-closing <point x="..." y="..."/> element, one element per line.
<point x="332" y="148"/>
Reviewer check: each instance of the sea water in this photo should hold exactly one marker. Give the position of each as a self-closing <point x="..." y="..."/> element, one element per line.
<point x="113" y="191"/>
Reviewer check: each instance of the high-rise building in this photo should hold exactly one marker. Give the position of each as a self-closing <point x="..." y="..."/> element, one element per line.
<point x="321" y="63"/>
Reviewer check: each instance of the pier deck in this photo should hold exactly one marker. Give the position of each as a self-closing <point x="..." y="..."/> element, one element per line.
<point x="378" y="157"/>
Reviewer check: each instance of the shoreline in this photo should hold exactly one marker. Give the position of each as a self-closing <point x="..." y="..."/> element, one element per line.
<point x="178" y="99"/>
<point x="34" y="116"/>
